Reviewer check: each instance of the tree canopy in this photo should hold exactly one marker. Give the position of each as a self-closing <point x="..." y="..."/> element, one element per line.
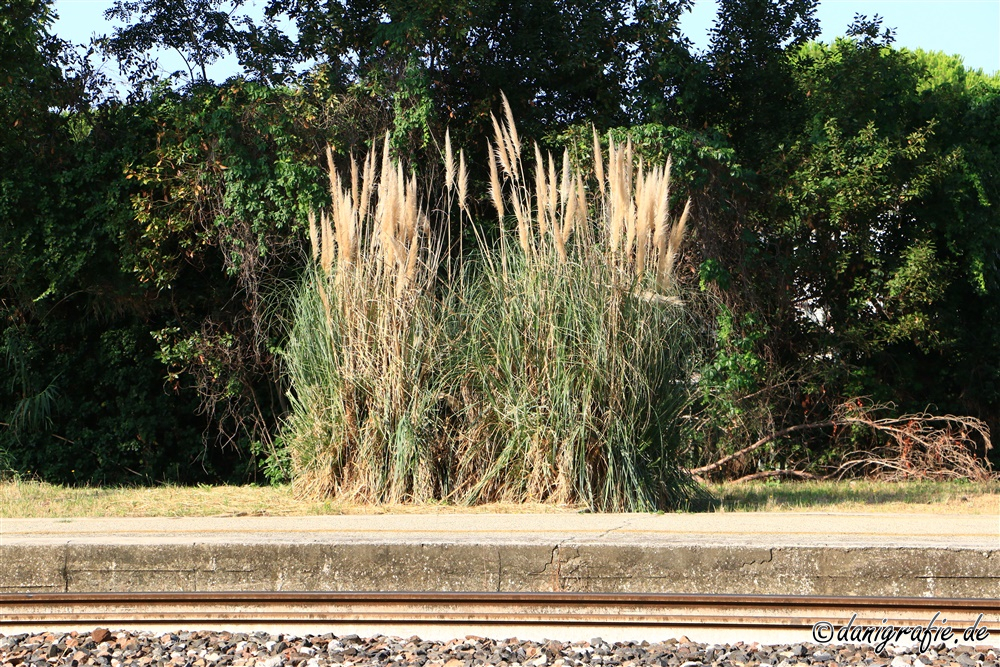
<point x="845" y="203"/>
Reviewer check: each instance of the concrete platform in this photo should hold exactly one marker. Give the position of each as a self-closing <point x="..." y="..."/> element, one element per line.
<point x="904" y="555"/>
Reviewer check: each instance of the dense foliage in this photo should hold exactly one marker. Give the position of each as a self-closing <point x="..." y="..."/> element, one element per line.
<point x="844" y="227"/>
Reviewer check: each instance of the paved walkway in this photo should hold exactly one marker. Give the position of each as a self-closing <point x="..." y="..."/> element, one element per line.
<point x="714" y="529"/>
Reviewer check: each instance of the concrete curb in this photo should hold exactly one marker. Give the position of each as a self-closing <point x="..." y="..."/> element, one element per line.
<point x="736" y="554"/>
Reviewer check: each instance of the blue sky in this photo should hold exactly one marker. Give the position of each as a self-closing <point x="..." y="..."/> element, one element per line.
<point x="969" y="28"/>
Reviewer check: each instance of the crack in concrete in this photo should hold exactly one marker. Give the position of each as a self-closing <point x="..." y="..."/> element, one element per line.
<point x="955" y="576"/>
<point x="555" y="562"/>
<point x="65" y="568"/>
<point x="614" y="529"/>
<point x="557" y="574"/>
<point x="770" y="558"/>
<point x="130" y="570"/>
<point x="499" y="569"/>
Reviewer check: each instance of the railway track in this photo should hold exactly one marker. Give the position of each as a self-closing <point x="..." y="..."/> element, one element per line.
<point x="760" y="617"/>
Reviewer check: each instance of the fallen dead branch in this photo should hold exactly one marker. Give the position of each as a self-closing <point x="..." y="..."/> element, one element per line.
<point x="911" y="446"/>
<point x="770" y="474"/>
<point x="712" y="467"/>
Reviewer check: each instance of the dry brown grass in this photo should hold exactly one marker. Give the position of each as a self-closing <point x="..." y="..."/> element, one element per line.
<point x="20" y="499"/>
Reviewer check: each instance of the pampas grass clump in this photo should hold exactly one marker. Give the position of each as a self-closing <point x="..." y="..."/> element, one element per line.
<point x="553" y="366"/>
<point x="365" y="351"/>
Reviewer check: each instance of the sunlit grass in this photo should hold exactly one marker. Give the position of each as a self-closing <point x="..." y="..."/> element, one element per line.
<point x="29" y="499"/>
<point x="859" y="496"/>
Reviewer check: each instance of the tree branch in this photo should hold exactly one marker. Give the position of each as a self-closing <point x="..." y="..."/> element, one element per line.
<point x="767" y="474"/>
<point x="711" y="467"/>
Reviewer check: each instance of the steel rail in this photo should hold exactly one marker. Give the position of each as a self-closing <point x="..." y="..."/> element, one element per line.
<point x="635" y="610"/>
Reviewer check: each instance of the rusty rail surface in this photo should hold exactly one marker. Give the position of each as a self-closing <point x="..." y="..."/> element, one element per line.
<point x="488" y="609"/>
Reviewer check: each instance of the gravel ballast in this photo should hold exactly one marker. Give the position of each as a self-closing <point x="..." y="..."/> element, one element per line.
<point x="103" y="648"/>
